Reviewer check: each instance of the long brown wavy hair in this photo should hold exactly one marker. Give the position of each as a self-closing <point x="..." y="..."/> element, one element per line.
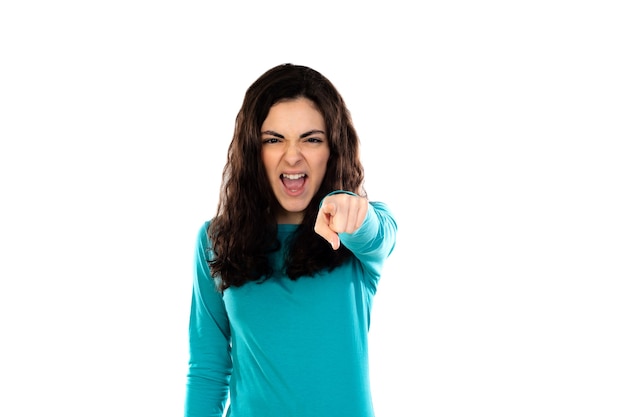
<point x="244" y="230"/>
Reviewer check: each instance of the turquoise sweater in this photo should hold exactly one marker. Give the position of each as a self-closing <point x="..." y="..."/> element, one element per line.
<point x="284" y="348"/>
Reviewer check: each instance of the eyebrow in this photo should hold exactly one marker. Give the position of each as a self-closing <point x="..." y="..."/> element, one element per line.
<point x="304" y="135"/>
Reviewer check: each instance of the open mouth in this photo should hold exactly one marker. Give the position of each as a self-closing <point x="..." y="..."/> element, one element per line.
<point x="293" y="182"/>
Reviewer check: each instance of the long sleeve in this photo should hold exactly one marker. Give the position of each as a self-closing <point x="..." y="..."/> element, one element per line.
<point x="374" y="241"/>
<point x="210" y="363"/>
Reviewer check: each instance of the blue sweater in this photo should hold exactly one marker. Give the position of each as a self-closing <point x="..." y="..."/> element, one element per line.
<point x="284" y="348"/>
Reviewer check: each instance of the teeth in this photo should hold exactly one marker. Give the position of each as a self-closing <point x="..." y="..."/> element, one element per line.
<point x="293" y="176"/>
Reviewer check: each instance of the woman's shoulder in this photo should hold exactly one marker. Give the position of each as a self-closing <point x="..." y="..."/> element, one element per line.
<point x="203" y="233"/>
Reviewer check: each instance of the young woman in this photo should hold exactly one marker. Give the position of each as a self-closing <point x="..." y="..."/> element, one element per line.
<point x="287" y="268"/>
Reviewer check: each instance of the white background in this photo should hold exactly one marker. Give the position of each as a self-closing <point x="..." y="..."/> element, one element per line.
<point x="494" y="130"/>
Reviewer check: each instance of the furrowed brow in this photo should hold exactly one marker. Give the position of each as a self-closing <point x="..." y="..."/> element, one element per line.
<point x="312" y="132"/>
<point x="272" y="133"/>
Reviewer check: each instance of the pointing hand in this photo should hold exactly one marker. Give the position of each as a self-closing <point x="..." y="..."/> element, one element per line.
<point x="340" y="213"/>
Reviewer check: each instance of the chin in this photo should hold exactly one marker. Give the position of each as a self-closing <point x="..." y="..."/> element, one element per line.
<point x="294" y="207"/>
<point x="295" y="210"/>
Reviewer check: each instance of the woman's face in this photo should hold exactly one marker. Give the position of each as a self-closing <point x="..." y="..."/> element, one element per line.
<point x="295" y="152"/>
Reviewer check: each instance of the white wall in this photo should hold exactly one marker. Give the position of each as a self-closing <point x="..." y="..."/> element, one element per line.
<point x="494" y="132"/>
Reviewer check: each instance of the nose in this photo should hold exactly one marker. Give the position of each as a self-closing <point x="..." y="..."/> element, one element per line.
<point x="293" y="154"/>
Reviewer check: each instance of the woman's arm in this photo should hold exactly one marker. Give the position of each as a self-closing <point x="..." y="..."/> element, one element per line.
<point x="210" y="363"/>
<point x="368" y="229"/>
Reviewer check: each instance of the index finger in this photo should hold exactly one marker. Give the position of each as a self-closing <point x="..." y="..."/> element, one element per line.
<point x="322" y="224"/>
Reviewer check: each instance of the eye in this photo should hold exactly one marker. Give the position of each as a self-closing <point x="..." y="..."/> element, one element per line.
<point x="314" y="140"/>
<point x="269" y="140"/>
